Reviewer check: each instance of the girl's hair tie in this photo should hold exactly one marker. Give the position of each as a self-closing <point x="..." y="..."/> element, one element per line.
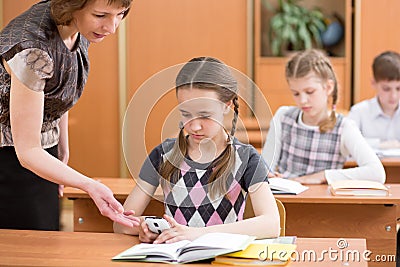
<point x="229" y="141"/>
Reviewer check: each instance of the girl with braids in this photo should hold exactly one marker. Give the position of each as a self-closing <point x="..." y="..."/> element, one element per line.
<point x="205" y="173"/>
<point x="310" y="143"/>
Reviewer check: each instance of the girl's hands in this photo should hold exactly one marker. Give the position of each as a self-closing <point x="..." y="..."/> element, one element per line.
<point x="315" y="178"/>
<point x="145" y="235"/>
<point x="109" y="206"/>
<point x="178" y="232"/>
<point x="274" y="175"/>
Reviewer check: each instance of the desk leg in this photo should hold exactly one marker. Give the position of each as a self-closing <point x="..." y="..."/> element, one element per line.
<point x="376" y="223"/>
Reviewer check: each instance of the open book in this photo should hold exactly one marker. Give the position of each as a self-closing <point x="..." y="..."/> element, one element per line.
<point x="358" y="188"/>
<point x="204" y="247"/>
<point x="286" y="186"/>
<point x="263" y="252"/>
<point x="388" y="153"/>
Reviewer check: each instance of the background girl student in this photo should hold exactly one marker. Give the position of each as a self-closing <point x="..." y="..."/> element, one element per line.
<point x="310" y="142"/>
<point x="379" y="117"/>
<point x="44" y="68"/>
<point x="205" y="173"/>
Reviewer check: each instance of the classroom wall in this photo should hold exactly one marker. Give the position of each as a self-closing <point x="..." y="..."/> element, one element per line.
<point x="376" y="30"/>
<point x="158" y="34"/>
<point x="165" y="33"/>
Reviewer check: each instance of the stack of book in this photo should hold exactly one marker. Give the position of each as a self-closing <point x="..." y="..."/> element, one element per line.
<point x="358" y="188"/>
<point x="264" y="252"/>
<point x="205" y="247"/>
<point x="222" y="248"/>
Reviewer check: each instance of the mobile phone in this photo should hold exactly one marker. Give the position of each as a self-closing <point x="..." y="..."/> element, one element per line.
<point x="156" y="224"/>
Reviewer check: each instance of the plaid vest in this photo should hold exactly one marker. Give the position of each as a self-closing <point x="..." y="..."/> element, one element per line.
<point x="306" y="151"/>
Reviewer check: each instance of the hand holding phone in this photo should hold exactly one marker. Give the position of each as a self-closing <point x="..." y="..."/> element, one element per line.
<point x="156" y="224"/>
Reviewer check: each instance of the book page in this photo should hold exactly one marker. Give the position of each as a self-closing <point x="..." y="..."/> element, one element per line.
<point x="214" y="244"/>
<point x="358" y="188"/>
<point x="143" y="250"/>
<point x="277" y="240"/>
<point x="221" y="240"/>
<point x="286" y="185"/>
<point x="390" y="153"/>
<point x="357" y="184"/>
<point x="360" y="192"/>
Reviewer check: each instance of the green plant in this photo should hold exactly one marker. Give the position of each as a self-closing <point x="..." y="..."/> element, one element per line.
<point x="294" y="27"/>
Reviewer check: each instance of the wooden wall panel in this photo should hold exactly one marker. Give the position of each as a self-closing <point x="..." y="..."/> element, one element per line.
<point x="94" y="121"/>
<point x="12" y="8"/>
<point x="376" y="30"/>
<point x="159" y="34"/>
<point x="271" y="81"/>
<point x="165" y="33"/>
<point x="270" y="77"/>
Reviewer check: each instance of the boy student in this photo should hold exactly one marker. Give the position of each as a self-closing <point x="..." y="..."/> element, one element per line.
<point x="379" y="118"/>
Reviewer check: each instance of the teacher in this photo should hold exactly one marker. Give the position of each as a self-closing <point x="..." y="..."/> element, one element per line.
<point x="44" y="53"/>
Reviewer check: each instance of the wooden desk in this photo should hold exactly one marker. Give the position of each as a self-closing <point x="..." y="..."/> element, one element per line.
<point x="316" y="213"/>
<point x="313" y="213"/>
<point x="391" y="165"/>
<point x="41" y="248"/>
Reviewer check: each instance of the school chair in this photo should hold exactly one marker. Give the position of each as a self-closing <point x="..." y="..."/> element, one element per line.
<point x="282" y="216"/>
<point x="248" y="213"/>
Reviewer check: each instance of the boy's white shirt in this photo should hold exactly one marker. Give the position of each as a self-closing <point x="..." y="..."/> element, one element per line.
<point x="375" y="124"/>
<point x="352" y="144"/>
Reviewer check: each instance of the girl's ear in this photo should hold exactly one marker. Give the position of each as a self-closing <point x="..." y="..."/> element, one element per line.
<point x="227" y="106"/>
<point x="330" y="86"/>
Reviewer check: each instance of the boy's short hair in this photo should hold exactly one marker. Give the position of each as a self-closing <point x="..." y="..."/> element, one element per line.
<point x="386" y="66"/>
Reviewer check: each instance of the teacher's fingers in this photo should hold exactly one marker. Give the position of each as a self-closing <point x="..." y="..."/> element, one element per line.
<point x="129" y="221"/>
<point x="114" y="204"/>
<point x="129" y="212"/>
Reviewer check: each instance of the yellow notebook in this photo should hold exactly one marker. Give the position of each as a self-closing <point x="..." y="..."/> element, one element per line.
<point x="269" y="252"/>
<point x="247" y="262"/>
